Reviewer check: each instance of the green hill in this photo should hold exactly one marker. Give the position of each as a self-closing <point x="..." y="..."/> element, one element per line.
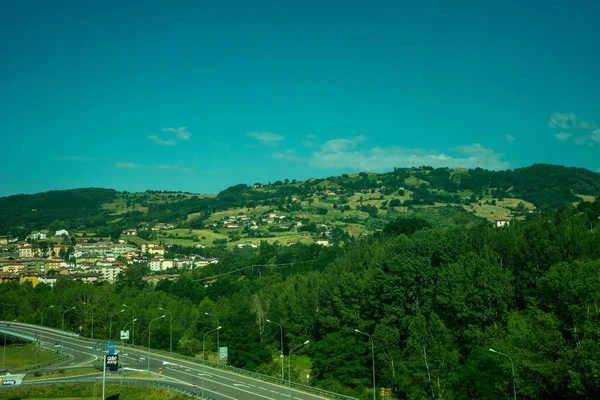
<point x="305" y="211"/>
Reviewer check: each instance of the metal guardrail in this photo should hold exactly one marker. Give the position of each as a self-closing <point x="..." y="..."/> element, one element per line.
<point x="136" y="382"/>
<point x="196" y="360"/>
<point x="40" y="365"/>
<point x="242" y="372"/>
<point x="43" y="328"/>
<point x="33" y="339"/>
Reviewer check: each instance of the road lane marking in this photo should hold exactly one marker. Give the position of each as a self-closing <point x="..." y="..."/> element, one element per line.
<point x="231" y="387"/>
<point x="221" y="373"/>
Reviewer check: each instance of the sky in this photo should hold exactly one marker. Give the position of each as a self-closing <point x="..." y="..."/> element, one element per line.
<point x="201" y="95"/>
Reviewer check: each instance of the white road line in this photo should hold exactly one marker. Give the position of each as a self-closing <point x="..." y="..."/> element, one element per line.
<point x="232" y="387"/>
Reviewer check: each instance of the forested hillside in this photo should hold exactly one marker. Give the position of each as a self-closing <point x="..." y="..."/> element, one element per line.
<point x="24" y="213"/>
<point x="353" y="205"/>
<point x="435" y="300"/>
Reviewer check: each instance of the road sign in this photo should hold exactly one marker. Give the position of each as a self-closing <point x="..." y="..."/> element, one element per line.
<point x="111" y="347"/>
<point x="112" y="362"/>
<point x="124" y="335"/>
<point x="222" y="353"/>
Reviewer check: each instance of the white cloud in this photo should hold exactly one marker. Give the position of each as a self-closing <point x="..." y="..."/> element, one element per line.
<point x="157" y="140"/>
<point x="266" y="137"/>
<point x="288" y="155"/>
<point x="378" y="159"/>
<point x="174" y="168"/>
<point x="569" y="121"/>
<point x="127" y="165"/>
<point x="336" y="145"/>
<point x="562" y="136"/>
<point x="591" y="140"/>
<point x="311" y="136"/>
<point x="181" y="133"/>
<point x="510" y="138"/>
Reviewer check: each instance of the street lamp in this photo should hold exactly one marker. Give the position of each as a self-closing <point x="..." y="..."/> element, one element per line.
<point x="513" y="371"/>
<point x="150" y="326"/>
<point x="91" y="308"/>
<point x="110" y="329"/>
<point x="290" y="368"/>
<point x="170" y="329"/>
<point x="47" y="308"/>
<point x="133" y="326"/>
<point x="203" y="360"/>
<point x="218" y="348"/>
<point x="130" y="322"/>
<point x="372" y="359"/>
<point x="63" y="326"/>
<point x="281" y="340"/>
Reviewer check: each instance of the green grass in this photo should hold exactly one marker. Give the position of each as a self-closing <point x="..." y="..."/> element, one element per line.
<point x="63" y="373"/>
<point x="89" y="391"/>
<point x="22" y="355"/>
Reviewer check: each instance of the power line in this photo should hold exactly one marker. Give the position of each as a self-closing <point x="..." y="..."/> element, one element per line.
<point x="251" y="266"/>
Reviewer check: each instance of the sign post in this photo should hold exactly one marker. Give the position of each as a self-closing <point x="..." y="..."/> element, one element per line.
<point x="110" y="361"/>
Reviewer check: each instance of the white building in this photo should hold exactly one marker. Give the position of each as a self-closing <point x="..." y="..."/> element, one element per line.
<point x="62" y="232"/>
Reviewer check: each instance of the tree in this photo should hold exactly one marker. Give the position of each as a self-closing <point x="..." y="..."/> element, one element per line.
<point x="339" y="357"/>
<point x="431" y="359"/>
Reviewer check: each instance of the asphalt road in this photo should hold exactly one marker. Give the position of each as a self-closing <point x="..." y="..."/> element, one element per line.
<point x="218" y="384"/>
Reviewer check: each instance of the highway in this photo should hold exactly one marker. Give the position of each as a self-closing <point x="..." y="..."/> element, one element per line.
<point x="219" y="384"/>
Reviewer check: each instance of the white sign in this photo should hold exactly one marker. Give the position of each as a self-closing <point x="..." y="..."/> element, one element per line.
<point x="124" y="335"/>
<point x="222" y="353"/>
<point x="10" y="380"/>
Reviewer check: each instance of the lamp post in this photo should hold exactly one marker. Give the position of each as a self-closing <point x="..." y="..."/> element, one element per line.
<point x="513" y="371"/>
<point x="170" y="328"/>
<point x="133" y="326"/>
<point x="218" y="328"/>
<point x="372" y="360"/>
<point x="281" y="340"/>
<point x="63" y="326"/>
<point x="150" y="326"/>
<point x="110" y="329"/>
<point x="92" y="309"/>
<point x="47" y="308"/>
<point x="218" y="346"/>
<point x="130" y="322"/>
<point x="290" y="368"/>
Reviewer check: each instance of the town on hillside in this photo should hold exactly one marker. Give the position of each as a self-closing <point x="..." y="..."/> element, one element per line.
<point x="64" y="256"/>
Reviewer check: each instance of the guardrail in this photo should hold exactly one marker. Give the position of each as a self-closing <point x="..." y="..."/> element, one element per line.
<point x="40" y="365"/>
<point x="33" y="339"/>
<point x="196" y="360"/>
<point x="242" y="372"/>
<point x="135" y="382"/>
<point x="43" y="328"/>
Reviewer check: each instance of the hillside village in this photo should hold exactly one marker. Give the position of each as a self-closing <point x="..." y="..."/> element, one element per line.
<point x="95" y="235"/>
<point x="89" y="261"/>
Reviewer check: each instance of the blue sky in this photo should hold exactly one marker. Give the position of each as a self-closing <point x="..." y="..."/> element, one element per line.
<point x="201" y="95"/>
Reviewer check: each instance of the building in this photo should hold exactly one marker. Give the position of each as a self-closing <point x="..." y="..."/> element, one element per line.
<point x="108" y="273"/>
<point x="130" y="232"/>
<point x="26" y="251"/>
<point x="62" y="232"/>
<point x="500" y="222"/>
<point x="155" y="264"/>
<point x="38" y="236"/>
